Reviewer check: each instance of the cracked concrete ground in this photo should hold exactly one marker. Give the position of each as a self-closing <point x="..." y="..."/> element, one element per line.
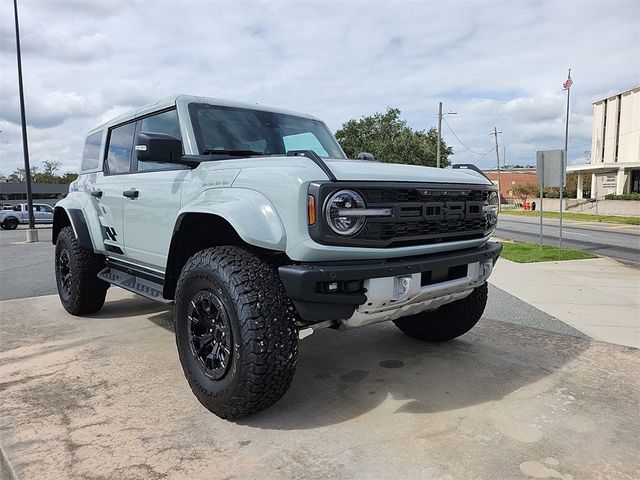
<point x="104" y="397"/>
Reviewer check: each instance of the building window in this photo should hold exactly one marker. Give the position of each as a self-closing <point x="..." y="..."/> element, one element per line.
<point x="618" y="127"/>
<point x="604" y="128"/>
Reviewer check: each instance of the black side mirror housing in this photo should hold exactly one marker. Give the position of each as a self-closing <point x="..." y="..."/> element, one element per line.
<point x="158" y="147"/>
<point x="366" y="156"/>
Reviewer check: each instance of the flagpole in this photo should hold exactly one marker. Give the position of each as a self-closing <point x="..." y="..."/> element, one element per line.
<point x="566" y="144"/>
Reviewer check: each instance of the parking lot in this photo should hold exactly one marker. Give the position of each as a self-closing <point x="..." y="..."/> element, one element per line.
<point x="521" y="396"/>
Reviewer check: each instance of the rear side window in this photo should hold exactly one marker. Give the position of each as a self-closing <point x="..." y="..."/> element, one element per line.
<point x="120" y="148"/>
<point x="91" y="155"/>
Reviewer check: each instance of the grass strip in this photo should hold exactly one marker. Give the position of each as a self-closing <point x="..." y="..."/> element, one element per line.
<point x="522" y="252"/>
<point x="576" y="216"/>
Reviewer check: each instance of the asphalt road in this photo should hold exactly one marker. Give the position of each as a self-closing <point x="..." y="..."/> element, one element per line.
<point x="617" y="241"/>
<point x="26" y="269"/>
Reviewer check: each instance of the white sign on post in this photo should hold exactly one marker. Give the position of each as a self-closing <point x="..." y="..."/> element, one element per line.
<point x="552" y="172"/>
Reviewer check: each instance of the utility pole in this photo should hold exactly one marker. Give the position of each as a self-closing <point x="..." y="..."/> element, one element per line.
<point x="439" y="134"/>
<point x="440" y="115"/>
<point x="495" y="134"/>
<point x="32" y="233"/>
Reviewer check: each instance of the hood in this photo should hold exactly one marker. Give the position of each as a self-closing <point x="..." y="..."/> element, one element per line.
<point x="359" y="170"/>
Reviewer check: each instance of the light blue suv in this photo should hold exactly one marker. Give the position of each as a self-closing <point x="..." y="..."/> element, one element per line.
<point x="260" y="230"/>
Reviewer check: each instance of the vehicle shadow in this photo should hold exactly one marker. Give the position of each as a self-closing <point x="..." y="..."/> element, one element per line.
<point x="343" y="375"/>
<point x="130" y="306"/>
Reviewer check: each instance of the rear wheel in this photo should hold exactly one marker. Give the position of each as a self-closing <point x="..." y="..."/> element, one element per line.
<point x="81" y="291"/>
<point x="235" y="331"/>
<point x="447" y="322"/>
<point x="10" y="223"/>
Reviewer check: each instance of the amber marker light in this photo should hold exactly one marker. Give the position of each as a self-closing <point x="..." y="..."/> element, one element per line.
<point x="311" y="209"/>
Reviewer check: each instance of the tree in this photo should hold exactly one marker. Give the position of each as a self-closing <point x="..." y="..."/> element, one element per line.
<point x="18" y="175"/>
<point x="48" y="175"/>
<point x="68" y="177"/>
<point x="390" y="139"/>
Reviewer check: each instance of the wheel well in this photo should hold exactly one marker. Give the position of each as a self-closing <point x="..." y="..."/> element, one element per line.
<point x="195" y="232"/>
<point x="60" y="220"/>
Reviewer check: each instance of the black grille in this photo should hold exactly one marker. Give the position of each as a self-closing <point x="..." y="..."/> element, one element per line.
<point x="426" y="194"/>
<point x="424" y="215"/>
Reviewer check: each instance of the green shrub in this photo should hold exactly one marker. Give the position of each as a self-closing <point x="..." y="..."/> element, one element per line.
<point x="627" y="196"/>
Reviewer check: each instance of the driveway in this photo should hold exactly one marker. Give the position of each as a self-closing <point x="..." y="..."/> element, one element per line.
<point x="104" y="397"/>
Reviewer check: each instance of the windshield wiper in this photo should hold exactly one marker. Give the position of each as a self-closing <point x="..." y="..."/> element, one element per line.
<point x="233" y="153"/>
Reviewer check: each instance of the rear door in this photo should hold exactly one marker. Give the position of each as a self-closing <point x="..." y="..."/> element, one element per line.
<point x="43" y="213"/>
<point x="111" y="187"/>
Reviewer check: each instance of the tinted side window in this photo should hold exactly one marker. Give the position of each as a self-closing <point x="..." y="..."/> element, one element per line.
<point x="91" y="155"/>
<point x="166" y="123"/>
<point x="120" y="148"/>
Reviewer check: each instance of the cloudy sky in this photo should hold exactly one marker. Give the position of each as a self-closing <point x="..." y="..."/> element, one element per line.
<point x="495" y="63"/>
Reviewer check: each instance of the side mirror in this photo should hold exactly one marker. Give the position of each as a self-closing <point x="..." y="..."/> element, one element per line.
<point x="157" y="147"/>
<point x="366" y="156"/>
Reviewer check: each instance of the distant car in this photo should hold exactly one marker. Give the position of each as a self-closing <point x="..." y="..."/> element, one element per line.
<point x="10" y="219"/>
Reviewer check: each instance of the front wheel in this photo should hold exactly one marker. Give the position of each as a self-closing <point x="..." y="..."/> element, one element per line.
<point x="235" y="331"/>
<point x="447" y="322"/>
<point x="81" y="291"/>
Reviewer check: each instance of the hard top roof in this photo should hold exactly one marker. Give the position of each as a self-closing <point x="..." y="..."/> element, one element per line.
<point x="175" y="100"/>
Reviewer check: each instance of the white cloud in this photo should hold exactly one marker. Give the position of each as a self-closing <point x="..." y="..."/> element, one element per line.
<point x="495" y="63"/>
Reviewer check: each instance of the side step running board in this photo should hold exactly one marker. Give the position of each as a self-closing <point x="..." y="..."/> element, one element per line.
<point x="133" y="283"/>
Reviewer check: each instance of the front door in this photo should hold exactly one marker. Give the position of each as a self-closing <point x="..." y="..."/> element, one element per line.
<point x="150" y="216"/>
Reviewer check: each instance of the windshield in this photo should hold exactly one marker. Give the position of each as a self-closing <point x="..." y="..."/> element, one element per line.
<point x="239" y="129"/>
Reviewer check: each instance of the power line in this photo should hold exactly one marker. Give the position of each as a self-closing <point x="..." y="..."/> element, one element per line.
<point x="462" y="143"/>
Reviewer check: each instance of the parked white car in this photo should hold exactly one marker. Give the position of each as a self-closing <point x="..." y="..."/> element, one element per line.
<point x="260" y="230"/>
<point x="10" y="219"/>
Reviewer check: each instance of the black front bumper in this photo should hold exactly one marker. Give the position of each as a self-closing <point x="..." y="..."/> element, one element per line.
<point x="305" y="283"/>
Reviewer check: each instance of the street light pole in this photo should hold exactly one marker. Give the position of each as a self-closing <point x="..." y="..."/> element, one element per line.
<point x="32" y="233"/>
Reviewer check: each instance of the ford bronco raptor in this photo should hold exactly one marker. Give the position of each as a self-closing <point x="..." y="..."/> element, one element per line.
<point x="253" y="222"/>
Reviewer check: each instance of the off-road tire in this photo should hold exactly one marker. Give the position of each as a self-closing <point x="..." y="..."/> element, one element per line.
<point x="262" y="323"/>
<point x="87" y="292"/>
<point x="10" y="223"/>
<point x="447" y="322"/>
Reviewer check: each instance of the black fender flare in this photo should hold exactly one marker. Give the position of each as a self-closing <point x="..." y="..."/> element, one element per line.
<point x="77" y="221"/>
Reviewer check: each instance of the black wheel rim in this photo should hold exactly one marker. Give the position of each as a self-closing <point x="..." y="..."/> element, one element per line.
<point x="64" y="271"/>
<point x="210" y="333"/>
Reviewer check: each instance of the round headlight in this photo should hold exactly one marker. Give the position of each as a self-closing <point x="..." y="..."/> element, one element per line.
<point x="336" y="213"/>
<point x="493" y="198"/>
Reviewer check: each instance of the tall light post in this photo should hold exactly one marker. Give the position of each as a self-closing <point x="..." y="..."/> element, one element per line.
<point x="32" y="233"/>
<point x="440" y="115"/>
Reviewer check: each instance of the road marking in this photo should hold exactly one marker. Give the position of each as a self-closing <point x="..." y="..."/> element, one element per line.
<point x="620" y="227"/>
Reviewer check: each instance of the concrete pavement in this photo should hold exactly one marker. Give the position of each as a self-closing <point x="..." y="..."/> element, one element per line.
<point x="104" y="397"/>
<point x="599" y="296"/>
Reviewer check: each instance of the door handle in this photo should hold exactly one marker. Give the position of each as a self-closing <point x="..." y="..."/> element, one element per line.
<point x="131" y="193"/>
<point x="96" y="193"/>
